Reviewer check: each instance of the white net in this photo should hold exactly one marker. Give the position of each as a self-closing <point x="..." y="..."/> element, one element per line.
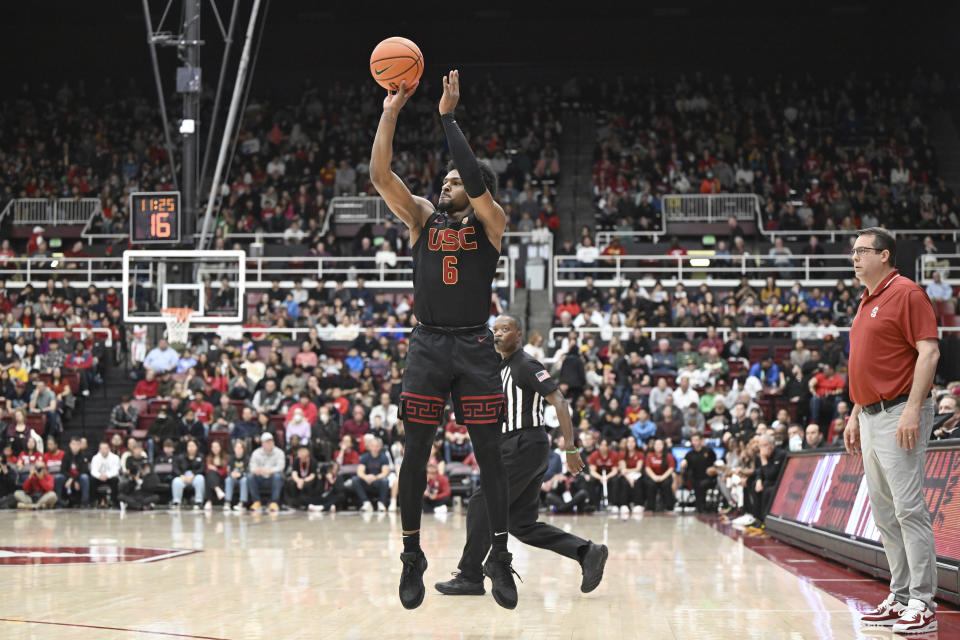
<point x="178" y="324"/>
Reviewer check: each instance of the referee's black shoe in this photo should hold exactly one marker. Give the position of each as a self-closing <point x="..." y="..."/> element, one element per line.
<point x="592" y="564"/>
<point x="500" y="571"/>
<point x="411" y="579"/>
<point x="460" y="586"/>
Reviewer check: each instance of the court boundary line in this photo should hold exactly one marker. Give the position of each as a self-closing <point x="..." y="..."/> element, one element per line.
<point x="92" y="626"/>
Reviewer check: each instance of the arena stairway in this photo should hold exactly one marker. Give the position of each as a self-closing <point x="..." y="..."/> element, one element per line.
<point x="92" y="416"/>
<point x="574" y="201"/>
<point x="946" y="141"/>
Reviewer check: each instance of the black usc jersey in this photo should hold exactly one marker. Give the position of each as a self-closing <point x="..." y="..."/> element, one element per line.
<point x="453" y="267"/>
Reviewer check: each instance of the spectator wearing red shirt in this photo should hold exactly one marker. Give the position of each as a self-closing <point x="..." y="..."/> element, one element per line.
<point x="436" y="497"/>
<point x="604" y="467"/>
<point x="347" y="453"/>
<point x="659" y="465"/>
<point x="614" y="248"/>
<point x="825" y="388"/>
<point x="570" y="305"/>
<point x="147" y="388"/>
<point x="357" y="425"/>
<point x="37" y="492"/>
<point x="83" y="362"/>
<point x="710" y="184"/>
<point x="309" y="411"/>
<point x="53" y="457"/>
<point x="631" y="478"/>
<point x="202" y="409"/>
<point x="675" y="248"/>
<point x="710" y="342"/>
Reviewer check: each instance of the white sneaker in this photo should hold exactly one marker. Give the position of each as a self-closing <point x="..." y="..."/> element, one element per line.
<point x="441" y="510"/>
<point x="238" y="507"/>
<point x="366" y="507"/>
<point x="745" y="519"/>
<point x="392" y="506"/>
<point x="613" y="508"/>
<point x="226" y="506"/>
<point x="208" y="506"/>
<point x="916" y="618"/>
<point x="315" y="507"/>
<point x="637" y="509"/>
<point x="624" y="510"/>
<point x="885" y="614"/>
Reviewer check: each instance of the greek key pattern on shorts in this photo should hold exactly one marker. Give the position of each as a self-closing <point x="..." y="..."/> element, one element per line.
<point x="422" y="409"/>
<point x="482" y="409"/>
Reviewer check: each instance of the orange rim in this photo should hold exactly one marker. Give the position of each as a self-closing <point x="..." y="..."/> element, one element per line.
<point x="182" y="314"/>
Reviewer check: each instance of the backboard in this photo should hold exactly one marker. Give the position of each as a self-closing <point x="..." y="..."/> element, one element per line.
<point x="212" y="283"/>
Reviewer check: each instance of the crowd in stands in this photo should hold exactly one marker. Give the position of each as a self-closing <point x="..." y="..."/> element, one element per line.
<point x="314" y="424"/>
<point x="850" y="153"/>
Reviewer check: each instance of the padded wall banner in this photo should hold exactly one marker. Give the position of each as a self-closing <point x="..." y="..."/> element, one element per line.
<point x="829" y="491"/>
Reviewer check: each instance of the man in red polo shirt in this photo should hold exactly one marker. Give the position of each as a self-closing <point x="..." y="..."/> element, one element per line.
<point x="893" y="357"/>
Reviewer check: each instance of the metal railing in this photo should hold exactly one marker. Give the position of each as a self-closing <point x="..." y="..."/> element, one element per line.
<point x="708" y="208"/>
<point x="356" y="210"/>
<point x="833" y="234"/>
<point x="947" y="264"/>
<point x="261" y="271"/>
<point x="53" y="211"/>
<point x="556" y="334"/>
<point x="615" y="271"/>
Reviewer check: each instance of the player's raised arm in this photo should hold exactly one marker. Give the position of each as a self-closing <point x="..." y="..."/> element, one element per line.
<point x="413" y="210"/>
<point x="488" y="211"/>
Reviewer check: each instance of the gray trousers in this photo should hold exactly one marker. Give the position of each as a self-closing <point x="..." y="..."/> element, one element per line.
<point x="895" y="484"/>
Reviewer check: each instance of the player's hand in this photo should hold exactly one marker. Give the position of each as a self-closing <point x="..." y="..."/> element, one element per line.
<point x="451" y="92"/>
<point x="851" y="436"/>
<point x="396" y="99"/>
<point x="908" y="429"/>
<point x="574" y="462"/>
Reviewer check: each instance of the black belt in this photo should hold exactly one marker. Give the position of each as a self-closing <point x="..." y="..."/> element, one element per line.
<point x="452" y="330"/>
<point x="883" y="405"/>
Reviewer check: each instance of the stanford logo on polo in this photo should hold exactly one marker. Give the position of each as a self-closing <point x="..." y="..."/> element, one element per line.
<point x="873" y="314"/>
<point x="99" y="554"/>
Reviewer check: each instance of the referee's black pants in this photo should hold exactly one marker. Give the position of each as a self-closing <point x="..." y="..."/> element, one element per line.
<point x="525" y="455"/>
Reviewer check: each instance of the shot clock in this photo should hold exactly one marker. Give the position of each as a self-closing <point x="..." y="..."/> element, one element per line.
<point x="155" y="217"/>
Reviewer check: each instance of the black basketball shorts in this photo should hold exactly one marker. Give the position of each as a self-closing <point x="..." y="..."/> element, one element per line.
<point x="459" y="362"/>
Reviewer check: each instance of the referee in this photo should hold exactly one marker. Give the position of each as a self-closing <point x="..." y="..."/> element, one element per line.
<point x="893" y="357"/>
<point x="525" y="449"/>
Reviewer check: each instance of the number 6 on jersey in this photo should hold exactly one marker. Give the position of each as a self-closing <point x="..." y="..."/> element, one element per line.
<point x="450" y="274"/>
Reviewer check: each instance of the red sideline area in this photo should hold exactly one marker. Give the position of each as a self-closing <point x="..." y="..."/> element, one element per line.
<point x="852" y="587"/>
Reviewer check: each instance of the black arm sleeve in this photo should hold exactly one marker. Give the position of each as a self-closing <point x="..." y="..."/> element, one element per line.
<point x="463" y="158"/>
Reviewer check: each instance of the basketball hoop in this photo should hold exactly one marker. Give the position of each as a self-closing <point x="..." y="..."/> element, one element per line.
<point x="178" y="324"/>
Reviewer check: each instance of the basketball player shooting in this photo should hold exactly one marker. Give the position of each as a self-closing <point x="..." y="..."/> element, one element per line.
<point x="525" y="449"/>
<point x="455" y="250"/>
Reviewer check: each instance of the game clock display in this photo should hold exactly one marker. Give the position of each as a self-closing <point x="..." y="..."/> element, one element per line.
<point x="155" y="217"/>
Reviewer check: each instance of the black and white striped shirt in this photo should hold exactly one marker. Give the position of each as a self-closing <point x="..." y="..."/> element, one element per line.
<point x="526" y="383"/>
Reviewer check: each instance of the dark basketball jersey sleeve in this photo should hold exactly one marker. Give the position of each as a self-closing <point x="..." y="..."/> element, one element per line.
<point x="453" y="269"/>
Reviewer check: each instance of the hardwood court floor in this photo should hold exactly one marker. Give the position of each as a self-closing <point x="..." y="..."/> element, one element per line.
<point x="297" y="575"/>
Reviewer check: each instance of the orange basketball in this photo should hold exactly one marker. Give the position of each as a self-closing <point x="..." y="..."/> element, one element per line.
<point x="394" y="60"/>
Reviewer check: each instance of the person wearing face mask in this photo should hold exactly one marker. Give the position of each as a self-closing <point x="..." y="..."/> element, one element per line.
<point x="795" y="437"/>
<point x="947" y="420"/>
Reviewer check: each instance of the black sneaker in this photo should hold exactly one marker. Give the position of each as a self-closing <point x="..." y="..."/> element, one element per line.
<point x="411" y="579"/>
<point x="499" y="570"/>
<point x="592" y="565"/>
<point x="460" y="586"/>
